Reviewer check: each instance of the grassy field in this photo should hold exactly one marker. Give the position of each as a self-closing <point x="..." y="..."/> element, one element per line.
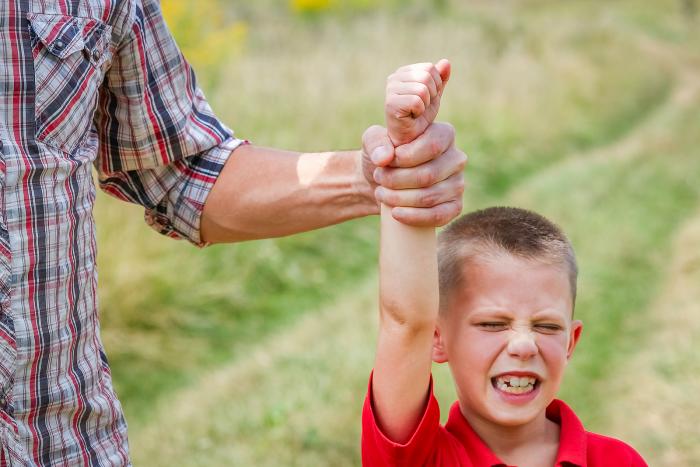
<point x="258" y="354"/>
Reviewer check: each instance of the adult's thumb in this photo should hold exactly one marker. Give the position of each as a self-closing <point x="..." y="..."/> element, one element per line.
<point x="377" y="145"/>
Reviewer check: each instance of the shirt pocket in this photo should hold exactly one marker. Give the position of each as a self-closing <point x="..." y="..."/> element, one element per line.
<point x="70" y="55"/>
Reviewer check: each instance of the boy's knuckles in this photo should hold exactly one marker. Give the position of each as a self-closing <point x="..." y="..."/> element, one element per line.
<point x="424" y="77"/>
<point x="424" y="93"/>
<point x="417" y="105"/>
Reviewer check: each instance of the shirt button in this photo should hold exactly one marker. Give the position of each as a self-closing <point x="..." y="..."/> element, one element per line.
<point x="96" y="54"/>
<point x="59" y="44"/>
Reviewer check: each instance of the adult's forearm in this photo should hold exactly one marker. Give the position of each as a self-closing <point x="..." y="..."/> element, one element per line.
<point x="264" y="193"/>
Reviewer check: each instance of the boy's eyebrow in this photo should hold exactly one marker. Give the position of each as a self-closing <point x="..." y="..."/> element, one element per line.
<point x="491" y="314"/>
<point x="504" y="314"/>
<point x="548" y="315"/>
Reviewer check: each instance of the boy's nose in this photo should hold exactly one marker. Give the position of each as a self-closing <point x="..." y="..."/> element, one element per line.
<point x="522" y="345"/>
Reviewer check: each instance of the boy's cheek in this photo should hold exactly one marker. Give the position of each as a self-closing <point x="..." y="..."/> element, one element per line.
<point x="554" y="349"/>
<point x="474" y="344"/>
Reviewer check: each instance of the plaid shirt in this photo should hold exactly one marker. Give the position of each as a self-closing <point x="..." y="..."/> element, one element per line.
<point x="83" y="83"/>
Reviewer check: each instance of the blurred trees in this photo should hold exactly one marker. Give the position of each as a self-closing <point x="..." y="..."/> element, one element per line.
<point x="205" y="35"/>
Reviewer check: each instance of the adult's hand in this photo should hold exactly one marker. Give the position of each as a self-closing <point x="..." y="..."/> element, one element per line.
<point x="422" y="181"/>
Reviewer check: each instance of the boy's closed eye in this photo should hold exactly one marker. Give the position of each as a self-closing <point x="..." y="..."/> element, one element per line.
<point x="493" y="325"/>
<point x="548" y="328"/>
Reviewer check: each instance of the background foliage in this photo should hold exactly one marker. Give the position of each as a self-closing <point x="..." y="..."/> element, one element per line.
<point x="258" y="353"/>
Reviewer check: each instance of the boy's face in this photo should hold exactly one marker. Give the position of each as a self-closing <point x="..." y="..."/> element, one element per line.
<point x="508" y="335"/>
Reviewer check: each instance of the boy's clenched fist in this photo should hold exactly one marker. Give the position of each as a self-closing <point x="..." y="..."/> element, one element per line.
<point x="412" y="102"/>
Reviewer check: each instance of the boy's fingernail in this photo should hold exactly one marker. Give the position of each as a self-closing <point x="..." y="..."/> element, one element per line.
<point x="376" y="175"/>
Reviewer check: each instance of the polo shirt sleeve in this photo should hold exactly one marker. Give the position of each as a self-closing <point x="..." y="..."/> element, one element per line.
<point x="378" y="450"/>
<point x="160" y="144"/>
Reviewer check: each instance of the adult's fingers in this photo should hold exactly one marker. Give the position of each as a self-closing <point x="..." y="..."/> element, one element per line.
<point x="377" y="146"/>
<point x="428" y="217"/>
<point x="448" y="190"/>
<point x="436" y="140"/>
<point x="424" y="175"/>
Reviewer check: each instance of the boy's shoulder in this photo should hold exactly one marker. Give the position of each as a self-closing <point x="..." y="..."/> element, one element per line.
<point x="579" y="443"/>
<point x="604" y="448"/>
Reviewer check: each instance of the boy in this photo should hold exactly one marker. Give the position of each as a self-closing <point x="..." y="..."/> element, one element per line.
<point x="503" y="320"/>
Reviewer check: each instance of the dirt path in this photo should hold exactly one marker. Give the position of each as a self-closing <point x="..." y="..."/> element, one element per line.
<point x="656" y="403"/>
<point x="685" y="69"/>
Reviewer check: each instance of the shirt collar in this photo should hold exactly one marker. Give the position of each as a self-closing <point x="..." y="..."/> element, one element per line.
<point x="572" y="437"/>
<point x="479" y="453"/>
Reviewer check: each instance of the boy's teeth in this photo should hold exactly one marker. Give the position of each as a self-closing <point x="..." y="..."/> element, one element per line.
<point x="515" y="384"/>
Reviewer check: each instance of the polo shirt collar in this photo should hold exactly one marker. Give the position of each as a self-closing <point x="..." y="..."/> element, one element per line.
<point x="572" y="437"/>
<point x="479" y="453"/>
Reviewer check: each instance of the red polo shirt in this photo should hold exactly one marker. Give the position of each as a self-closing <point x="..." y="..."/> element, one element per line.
<point x="456" y="443"/>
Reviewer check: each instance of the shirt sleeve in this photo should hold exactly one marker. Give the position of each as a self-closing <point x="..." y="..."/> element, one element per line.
<point x="378" y="450"/>
<point x="160" y="144"/>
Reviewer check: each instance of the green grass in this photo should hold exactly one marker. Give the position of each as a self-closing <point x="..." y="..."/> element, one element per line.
<point x="666" y="368"/>
<point x="622" y="214"/>
<point x="228" y="354"/>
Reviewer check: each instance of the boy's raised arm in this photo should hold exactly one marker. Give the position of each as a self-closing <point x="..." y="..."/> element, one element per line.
<point x="408" y="269"/>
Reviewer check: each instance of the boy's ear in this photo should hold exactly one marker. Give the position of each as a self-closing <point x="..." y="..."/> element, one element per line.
<point x="439" y="353"/>
<point x="574" y="336"/>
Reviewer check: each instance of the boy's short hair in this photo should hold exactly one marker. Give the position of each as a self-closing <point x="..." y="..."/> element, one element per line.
<point x="518" y="232"/>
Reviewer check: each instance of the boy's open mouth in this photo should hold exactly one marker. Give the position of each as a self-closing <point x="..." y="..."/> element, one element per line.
<point x="512" y="384"/>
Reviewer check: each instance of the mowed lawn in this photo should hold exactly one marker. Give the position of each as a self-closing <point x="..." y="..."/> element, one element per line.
<point x="258" y="354"/>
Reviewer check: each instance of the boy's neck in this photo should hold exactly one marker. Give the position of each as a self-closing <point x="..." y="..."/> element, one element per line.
<point x="533" y="444"/>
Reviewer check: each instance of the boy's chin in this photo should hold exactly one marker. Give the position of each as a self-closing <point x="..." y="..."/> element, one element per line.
<point x="513" y="415"/>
